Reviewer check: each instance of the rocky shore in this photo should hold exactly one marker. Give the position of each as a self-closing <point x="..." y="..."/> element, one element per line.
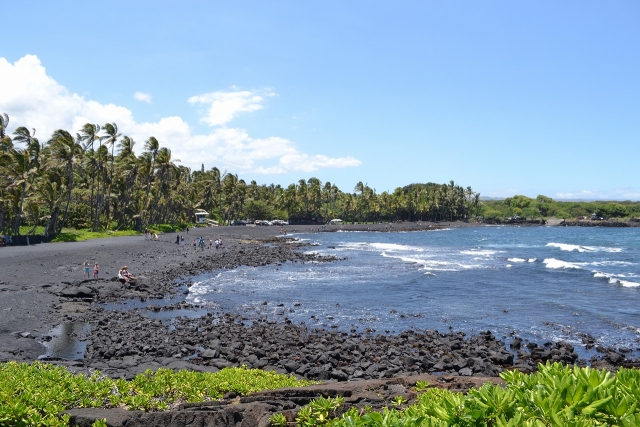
<point x="47" y="291"/>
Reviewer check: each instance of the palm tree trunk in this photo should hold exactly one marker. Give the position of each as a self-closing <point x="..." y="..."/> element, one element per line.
<point x="66" y="209"/>
<point x="16" y="225"/>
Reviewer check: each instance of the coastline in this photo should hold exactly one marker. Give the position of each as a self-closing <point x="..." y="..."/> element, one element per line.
<point x="43" y="288"/>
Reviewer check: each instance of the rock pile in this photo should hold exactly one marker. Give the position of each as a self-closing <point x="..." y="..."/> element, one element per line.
<point x="122" y="340"/>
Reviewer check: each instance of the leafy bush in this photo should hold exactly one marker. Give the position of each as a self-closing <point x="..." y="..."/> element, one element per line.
<point x="555" y="396"/>
<point x="35" y="394"/>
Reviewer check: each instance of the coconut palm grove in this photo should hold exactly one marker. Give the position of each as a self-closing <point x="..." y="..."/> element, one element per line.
<point x="93" y="179"/>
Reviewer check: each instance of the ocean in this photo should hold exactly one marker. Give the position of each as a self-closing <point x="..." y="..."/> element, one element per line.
<point x="539" y="283"/>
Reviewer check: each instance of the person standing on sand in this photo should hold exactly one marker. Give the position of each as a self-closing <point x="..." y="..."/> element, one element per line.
<point x="86" y="269"/>
<point x="96" y="270"/>
<point x="181" y="240"/>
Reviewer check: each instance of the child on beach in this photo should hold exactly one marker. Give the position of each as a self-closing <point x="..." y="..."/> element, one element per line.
<point x="96" y="269"/>
<point x="86" y="269"/>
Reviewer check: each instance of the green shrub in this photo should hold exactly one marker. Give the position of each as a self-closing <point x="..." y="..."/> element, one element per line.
<point x="35" y="394"/>
<point x="555" y="396"/>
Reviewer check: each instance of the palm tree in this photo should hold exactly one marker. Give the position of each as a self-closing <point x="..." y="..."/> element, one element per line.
<point x="110" y="139"/>
<point x="18" y="167"/>
<point x="88" y="135"/>
<point x="5" y="140"/>
<point x="65" y="152"/>
<point x="151" y="147"/>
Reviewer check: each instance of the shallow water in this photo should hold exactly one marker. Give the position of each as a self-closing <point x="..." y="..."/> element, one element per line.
<point x="541" y="283"/>
<point x="68" y="341"/>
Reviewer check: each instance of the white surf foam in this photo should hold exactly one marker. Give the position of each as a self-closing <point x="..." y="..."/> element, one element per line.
<point x="532" y="259"/>
<point x="396" y="247"/>
<point x="433" y="265"/>
<point x="615" y="279"/>
<point x="516" y="260"/>
<point x="579" y="248"/>
<point x="476" y="252"/>
<point x="556" y="264"/>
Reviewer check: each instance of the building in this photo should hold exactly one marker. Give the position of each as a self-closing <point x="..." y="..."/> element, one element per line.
<point x="201" y="216"/>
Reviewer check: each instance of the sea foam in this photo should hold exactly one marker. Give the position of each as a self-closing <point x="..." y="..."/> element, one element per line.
<point x="579" y="248"/>
<point x="556" y="264"/>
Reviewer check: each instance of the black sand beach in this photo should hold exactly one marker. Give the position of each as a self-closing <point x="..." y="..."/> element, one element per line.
<point x="42" y="287"/>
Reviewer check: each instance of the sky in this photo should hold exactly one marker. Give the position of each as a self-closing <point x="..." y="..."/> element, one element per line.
<point x="506" y="97"/>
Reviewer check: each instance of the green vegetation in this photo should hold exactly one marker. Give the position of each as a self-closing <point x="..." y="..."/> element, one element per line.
<point x="71" y="235"/>
<point x="34" y="394"/>
<point x="95" y="181"/>
<point x="555" y="396"/>
<point x="545" y="207"/>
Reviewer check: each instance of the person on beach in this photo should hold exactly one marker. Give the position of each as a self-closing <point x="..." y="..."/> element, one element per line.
<point x="181" y="240"/>
<point x="210" y="244"/>
<point x="178" y="240"/>
<point x="86" y="269"/>
<point x="124" y="276"/>
<point x="96" y="270"/>
<point x="195" y="245"/>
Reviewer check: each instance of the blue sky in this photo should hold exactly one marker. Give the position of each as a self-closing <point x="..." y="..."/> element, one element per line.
<point x="507" y="97"/>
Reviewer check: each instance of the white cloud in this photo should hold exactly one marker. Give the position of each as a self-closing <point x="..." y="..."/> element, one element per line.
<point x="35" y="100"/>
<point x="225" y="106"/>
<point x="142" y="97"/>
<point x="618" y="194"/>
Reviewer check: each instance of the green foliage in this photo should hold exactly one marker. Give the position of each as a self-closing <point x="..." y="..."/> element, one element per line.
<point x="543" y="206"/>
<point x="422" y="385"/>
<point x="318" y="411"/>
<point x="613" y="210"/>
<point x="35" y="394"/>
<point x="278" y="420"/>
<point x="71" y="235"/>
<point x="555" y="396"/>
<point x="78" y="216"/>
<point x="258" y="209"/>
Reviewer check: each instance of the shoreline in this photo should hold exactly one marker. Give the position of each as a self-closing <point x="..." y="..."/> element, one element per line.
<point x="43" y="288"/>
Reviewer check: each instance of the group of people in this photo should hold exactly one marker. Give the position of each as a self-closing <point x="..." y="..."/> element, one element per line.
<point x="150" y="234"/>
<point x="87" y="270"/>
<point x="200" y="243"/>
<point x="123" y="275"/>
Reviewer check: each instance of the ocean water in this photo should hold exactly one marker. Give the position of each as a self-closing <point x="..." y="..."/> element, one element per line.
<point x="539" y="283"/>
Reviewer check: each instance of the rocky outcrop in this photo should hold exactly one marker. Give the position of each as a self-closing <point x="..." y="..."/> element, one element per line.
<point x="255" y="410"/>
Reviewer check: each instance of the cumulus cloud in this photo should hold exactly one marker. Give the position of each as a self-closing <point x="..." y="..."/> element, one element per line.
<point x="35" y="100"/>
<point x="225" y="106"/>
<point x="142" y="97"/>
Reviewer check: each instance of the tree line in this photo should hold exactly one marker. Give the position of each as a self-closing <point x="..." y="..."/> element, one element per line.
<point x="93" y="180"/>
<point x="545" y="207"/>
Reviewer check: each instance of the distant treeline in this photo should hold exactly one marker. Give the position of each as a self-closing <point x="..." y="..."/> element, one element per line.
<point x="545" y="207"/>
<point x="94" y="180"/>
